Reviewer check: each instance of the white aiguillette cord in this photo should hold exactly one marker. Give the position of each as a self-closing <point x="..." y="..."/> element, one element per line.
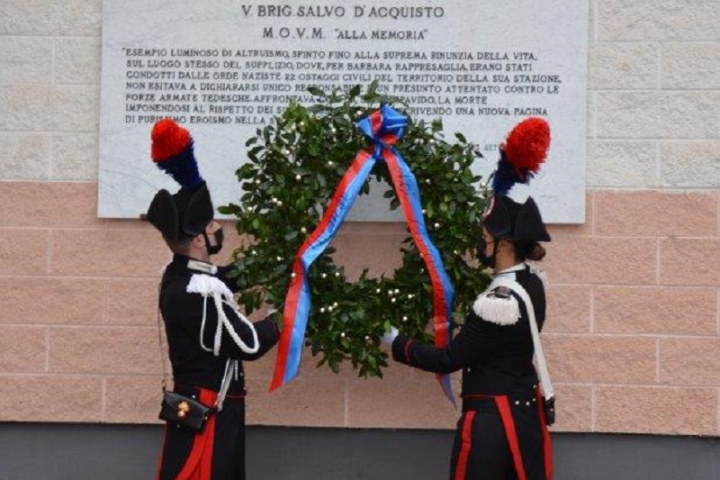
<point x="199" y="284"/>
<point x="539" y="354"/>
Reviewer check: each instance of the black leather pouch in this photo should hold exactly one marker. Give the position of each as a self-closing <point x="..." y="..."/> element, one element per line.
<point x="184" y="411"/>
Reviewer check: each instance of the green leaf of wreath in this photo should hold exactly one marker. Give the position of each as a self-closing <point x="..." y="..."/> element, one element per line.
<point x="296" y="163"/>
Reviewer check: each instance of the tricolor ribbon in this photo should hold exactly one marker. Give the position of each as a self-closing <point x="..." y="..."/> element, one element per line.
<point x="384" y="127"/>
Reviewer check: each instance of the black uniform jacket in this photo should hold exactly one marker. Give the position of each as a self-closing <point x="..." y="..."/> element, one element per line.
<point x="494" y="347"/>
<point x="182" y="312"/>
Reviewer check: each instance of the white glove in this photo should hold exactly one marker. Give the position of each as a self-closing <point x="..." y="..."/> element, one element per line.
<point x="388" y="338"/>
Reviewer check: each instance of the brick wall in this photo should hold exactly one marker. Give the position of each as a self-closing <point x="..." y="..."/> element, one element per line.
<point x="633" y="333"/>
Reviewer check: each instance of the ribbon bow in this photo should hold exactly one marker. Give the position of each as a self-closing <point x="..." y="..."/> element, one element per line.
<point x="384" y="128"/>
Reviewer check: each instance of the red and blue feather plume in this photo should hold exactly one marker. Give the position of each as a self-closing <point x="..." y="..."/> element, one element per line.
<point x="172" y="152"/>
<point x="524" y="152"/>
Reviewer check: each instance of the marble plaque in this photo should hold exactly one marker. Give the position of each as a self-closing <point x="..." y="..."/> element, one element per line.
<point x="223" y="68"/>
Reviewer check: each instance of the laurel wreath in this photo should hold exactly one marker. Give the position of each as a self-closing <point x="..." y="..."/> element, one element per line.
<point x="295" y="164"/>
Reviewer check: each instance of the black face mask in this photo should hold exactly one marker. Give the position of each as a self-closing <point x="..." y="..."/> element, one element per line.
<point x="219" y="236"/>
<point x="488" y="261"/>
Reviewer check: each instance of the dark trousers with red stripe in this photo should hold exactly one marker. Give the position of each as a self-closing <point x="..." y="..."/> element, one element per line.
<point x="488" y="448"/>
<point x="218" y="453"/>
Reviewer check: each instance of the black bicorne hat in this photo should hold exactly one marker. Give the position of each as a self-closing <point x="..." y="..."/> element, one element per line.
<point x="518" y="222"/>
<point x="520" y="159"/>
<point x="185" y="214"/>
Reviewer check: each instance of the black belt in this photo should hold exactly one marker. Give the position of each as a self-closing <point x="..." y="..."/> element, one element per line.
<point x="484" y="402"/>
<point x="194" y="392"/>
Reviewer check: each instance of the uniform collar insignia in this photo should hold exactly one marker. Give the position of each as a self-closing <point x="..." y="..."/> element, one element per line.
<point x="201" y="267"/>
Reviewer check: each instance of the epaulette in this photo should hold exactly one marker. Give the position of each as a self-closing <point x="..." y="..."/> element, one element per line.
<point x="497" y="305"/>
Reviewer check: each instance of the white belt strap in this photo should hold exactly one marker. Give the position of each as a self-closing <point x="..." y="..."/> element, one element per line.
<point x="539" y="355"/>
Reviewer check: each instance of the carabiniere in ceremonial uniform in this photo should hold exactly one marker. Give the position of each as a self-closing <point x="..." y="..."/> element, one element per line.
<point x="503" y="430"/>
<point x="207" y="335"/>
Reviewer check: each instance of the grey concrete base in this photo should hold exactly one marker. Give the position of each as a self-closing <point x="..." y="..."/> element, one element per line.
<point x="115" y="452"/>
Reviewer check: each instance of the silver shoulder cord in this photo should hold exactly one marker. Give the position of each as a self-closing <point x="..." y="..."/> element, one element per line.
<point x="539" y="354"/>
<point x="221" y="299"/>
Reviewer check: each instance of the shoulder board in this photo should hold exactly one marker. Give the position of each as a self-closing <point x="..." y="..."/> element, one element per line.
<point x="497" y="305"/>
<point x="207" y="285"/>
<point x="500" y="292"/>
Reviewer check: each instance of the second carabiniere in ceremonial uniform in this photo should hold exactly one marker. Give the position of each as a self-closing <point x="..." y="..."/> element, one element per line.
<point x="208" y="337"/>
<point x="502" y="433"/>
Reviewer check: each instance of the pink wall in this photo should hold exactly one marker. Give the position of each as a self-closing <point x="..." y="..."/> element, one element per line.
<point x="632" y="335"/>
